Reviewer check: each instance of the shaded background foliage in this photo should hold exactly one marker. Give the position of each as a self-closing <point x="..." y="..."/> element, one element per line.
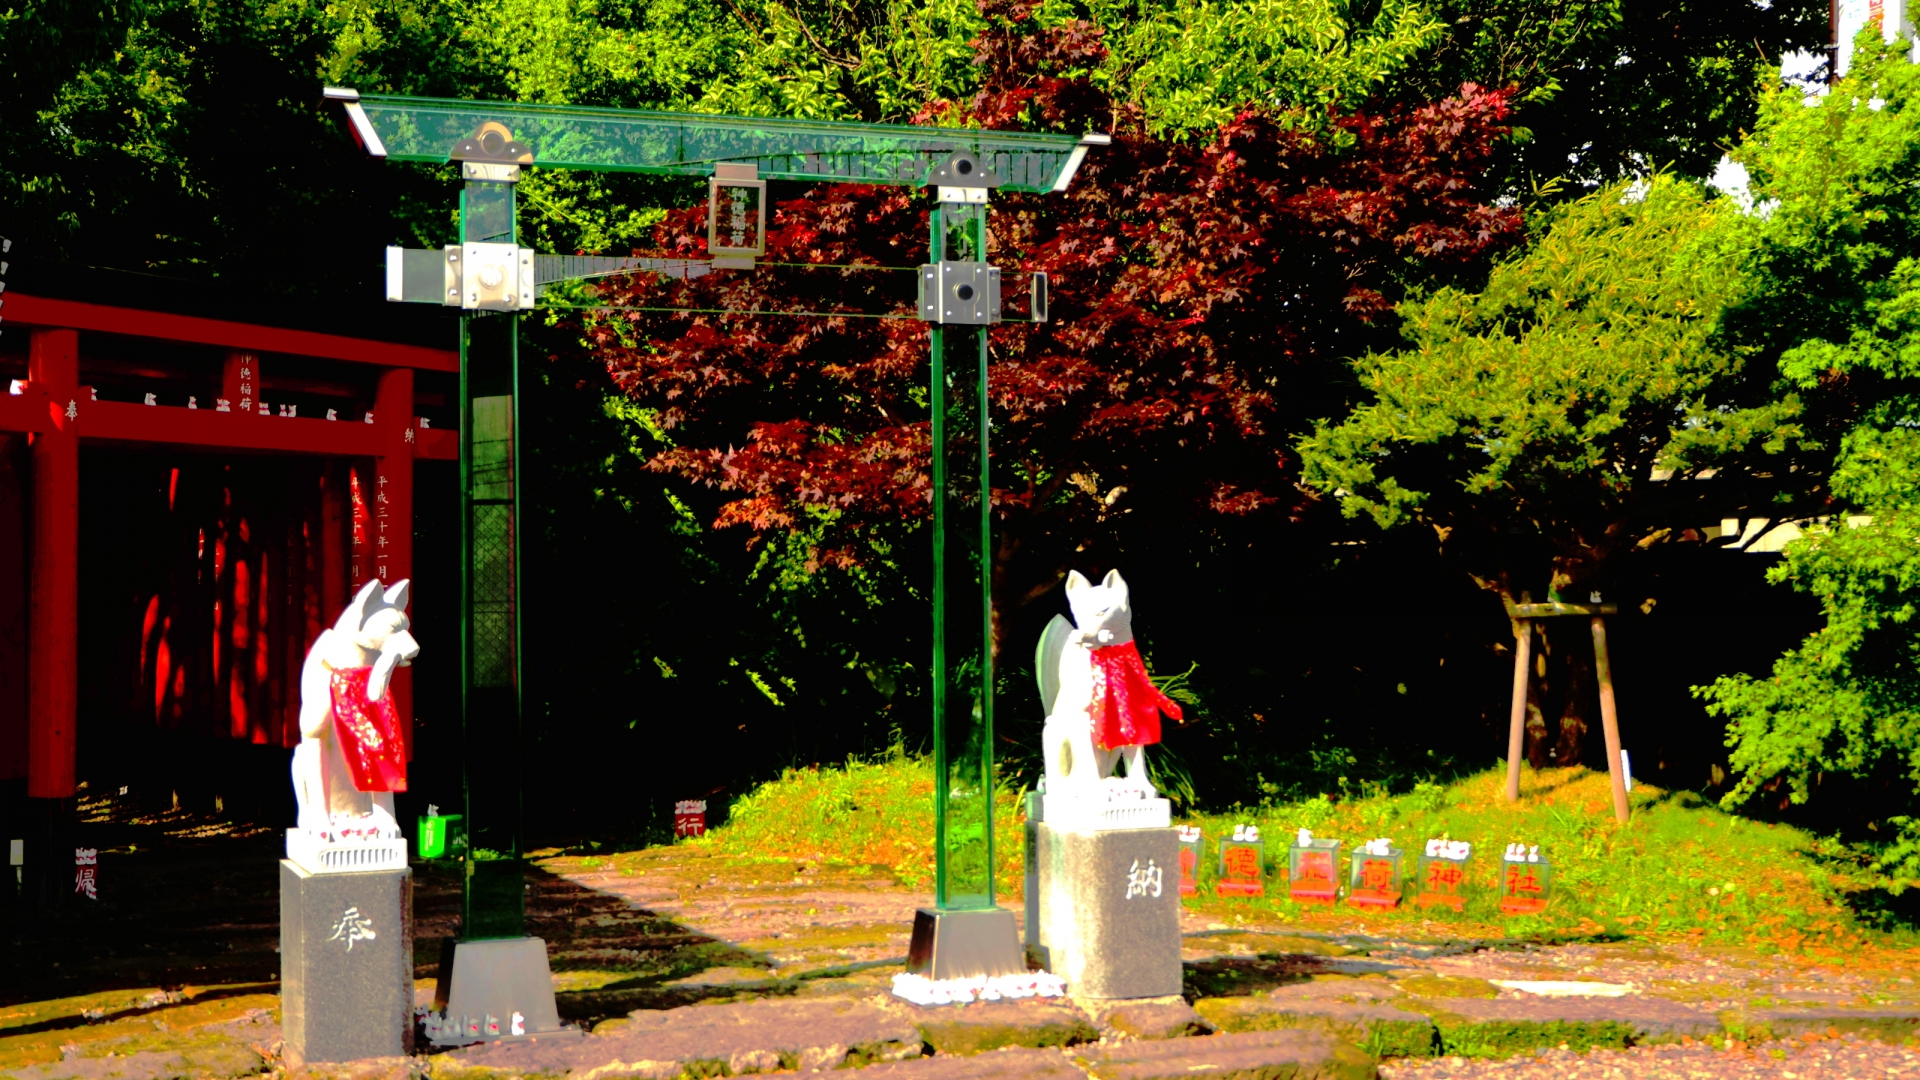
<point x="184" y="141"/>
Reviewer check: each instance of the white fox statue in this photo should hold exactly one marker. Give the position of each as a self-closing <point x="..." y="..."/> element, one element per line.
<point x="1100" y="703"/>
<point x="351" y="759"/>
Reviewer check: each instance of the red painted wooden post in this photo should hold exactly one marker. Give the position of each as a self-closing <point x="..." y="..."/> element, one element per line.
<point x="393" y="507"/>
<point x="14" y="471"/>
<point x="53" y="369"/>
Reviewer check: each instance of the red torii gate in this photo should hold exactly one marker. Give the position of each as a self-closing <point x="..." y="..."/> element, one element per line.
<point x="59" y="412"/>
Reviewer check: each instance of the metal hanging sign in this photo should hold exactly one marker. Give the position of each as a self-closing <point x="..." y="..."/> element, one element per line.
<point x="736" y="216"/>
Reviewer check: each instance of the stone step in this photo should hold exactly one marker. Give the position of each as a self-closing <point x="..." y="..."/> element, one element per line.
<point x="1159" y="1018"/>
<point x="1296" y="1054"/>
<point x="1886" y="1024"/>
<point x="1480" y="1026"/>
<point x="1393" y="1018"/>
<point x="990" y="1025"/>
<point x="1012" y="1063"/>
<point x="1382" y="1029"/>
<point x="702" y="1040"/>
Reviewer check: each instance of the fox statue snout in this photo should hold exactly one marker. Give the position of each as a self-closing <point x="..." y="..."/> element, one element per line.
<point x="395" y="648"/>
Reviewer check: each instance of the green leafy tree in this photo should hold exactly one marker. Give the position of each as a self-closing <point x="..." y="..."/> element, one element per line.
<point x="1617" y="88"/>
<point x="1566" y="416"/>
<point x="1834" y="300"/>
<point x="1191" y="65"/>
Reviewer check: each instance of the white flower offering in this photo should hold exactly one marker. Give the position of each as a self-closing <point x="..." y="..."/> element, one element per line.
<point x="924" y="991"/>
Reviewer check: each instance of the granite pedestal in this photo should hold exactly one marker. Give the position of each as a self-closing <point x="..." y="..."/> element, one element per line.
<point x="493" y="988"/>
<point x="346" y="964"/>
<point x="1109" y="907"/>
<point x="965" y="944"/>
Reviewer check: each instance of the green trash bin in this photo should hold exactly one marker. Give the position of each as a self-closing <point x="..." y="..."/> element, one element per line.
<point x="442" y="837"/>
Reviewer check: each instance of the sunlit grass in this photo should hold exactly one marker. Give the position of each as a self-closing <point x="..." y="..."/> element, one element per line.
<point x="866" y="813"/>
<point x="1681" y="868"/>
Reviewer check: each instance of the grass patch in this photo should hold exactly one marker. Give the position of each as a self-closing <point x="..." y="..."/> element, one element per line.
<point x="1505" y="1038"/>
<point x="1681" y="869"/>
<point x="866" y="813"/>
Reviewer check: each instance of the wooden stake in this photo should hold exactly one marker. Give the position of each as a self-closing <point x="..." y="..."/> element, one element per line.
<point x="1609" y="719"/>
<point x="1517" y="728"/>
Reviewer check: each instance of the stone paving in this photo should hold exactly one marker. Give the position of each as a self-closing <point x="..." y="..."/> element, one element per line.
<point x="670" y="964"/>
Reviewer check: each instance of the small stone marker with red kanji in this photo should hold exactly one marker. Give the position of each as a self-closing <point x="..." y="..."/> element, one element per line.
<point x="1310" y="869"/>
<point x="690" y="817"/>
<point x="1526" y="881"/>
<point x="1373" y="878"/>
<point x="86" y="879"/>
<point x="1190" y="842"/>
<point x="1242" y="863"/>
<point x="1443" y="874"/>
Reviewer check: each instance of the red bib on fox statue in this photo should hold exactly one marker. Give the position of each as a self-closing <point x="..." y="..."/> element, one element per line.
<point x="369" y="733"/>
<point x="1126" y="705"/>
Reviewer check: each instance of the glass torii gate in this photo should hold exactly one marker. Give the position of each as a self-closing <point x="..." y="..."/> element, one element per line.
<point x="493" y="279"/>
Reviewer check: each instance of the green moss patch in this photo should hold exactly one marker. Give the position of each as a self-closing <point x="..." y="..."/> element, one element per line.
<point x="1505" y="1038"/>
<point x="1447" y="986"/>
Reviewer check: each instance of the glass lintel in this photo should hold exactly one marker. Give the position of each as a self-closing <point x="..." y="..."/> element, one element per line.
<point x="690" y="144"/>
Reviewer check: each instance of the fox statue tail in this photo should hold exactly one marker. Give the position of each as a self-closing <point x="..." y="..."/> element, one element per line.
<point x="1046" y="660"/>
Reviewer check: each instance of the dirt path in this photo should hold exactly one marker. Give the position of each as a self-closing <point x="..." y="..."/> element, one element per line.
<point x="178" y="957"/>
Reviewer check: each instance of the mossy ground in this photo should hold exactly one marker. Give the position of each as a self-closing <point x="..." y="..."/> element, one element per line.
<point x="124" y="1022"/>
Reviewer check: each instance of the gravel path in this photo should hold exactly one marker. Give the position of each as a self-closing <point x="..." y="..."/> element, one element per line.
<point x="1843" y="1058"/>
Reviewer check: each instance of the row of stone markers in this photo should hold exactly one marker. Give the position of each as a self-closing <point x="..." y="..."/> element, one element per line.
<point x="1375" y="871"/>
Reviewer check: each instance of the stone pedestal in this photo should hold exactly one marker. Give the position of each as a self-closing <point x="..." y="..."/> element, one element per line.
<point x="490" y="988"/>
<point x="1109" y="906"/>
<point x="965" y="944"/>
<point x="346" y="964"/>
<point x="1030" y="832"/>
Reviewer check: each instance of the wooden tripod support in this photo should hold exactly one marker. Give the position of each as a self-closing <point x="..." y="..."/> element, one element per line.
<point x="1523" y="616"/>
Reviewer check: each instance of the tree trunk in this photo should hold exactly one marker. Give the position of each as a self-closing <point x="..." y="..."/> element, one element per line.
<point x="1575" y="580"/>
<point x="1579" y="690"/>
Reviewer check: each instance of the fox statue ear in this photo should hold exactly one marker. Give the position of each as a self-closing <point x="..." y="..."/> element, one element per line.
<point x="1113" y="578"/>
<point x="362" y="605"/>
<point x="1076" y="582"/>
<point x="399" y="594"/>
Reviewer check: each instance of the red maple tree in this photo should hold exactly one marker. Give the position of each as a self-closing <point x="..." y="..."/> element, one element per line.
<point x="1205" y="292"/>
